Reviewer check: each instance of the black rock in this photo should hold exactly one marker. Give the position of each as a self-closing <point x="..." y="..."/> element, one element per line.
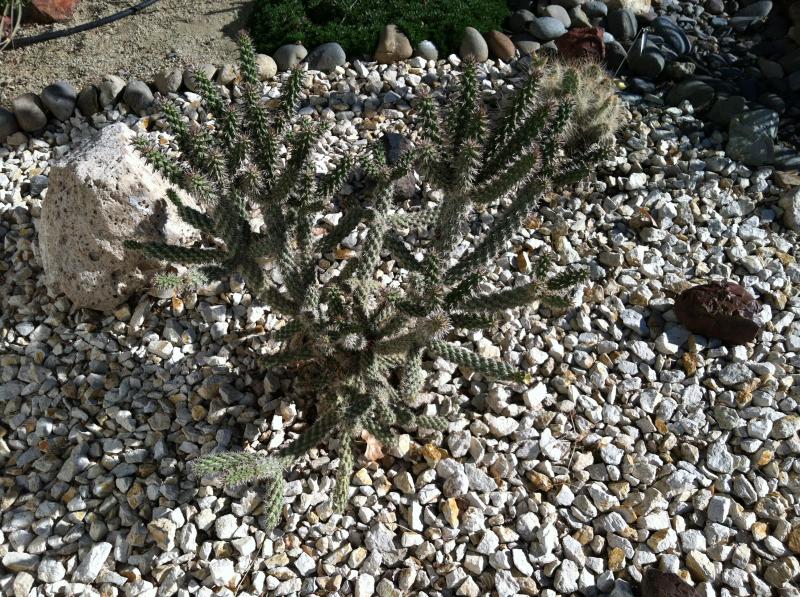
<point x="29" y="111"/>
<point x="750" y="88"/>
<point x="794" y="82"/>
<point x="726" y="108"/>
<point x="699" y="94"/>
<point x="672" y="34"/>
<point x="773" y="101"/>
<point x="622" y="24"/>
<point x="8" y="124"/>
<point x="615" y="55"/>
<point x="714" y="7"/>
<point x="60" y="98"/>
<point x="39" y="183"/>
<point x="641" y="85"/>
<point x="791" y="61"/>
<point x="395" y="146"/>
<point x="89" y="100"/>
<point x="649" y="63"/>
<point x="666" y="584"/>
<point x="759" y="9"/>
<point x="519" y="4"/>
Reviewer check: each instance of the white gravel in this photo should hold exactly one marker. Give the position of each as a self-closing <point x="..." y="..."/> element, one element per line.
<point x="636" y="444"/>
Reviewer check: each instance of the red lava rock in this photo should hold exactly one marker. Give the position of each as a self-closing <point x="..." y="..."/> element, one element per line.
<point x="665" y="584"/>
<point x="52" y="11"/>
<point x="5" y="27"/>
<point x="582" y="42"/>
<point x="723" y="311"/>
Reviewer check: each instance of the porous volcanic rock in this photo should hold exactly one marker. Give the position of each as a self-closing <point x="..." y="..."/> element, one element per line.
<point x="52" y="11"/>
<point x="100" y="195"/>
<point x="582" y="42"/>
<point x="666" y="584"/>
<point x="719" y="310"/>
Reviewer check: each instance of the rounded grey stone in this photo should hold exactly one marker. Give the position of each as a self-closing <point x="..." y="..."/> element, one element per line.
<point x="188" y="75"/>
<point x="326" y="57"/>
<point x="266" y="67"/>
<point x="473" y="46"/>
<point x="557" y="12"/>
<point x="526" y="44"/>
<point x="427" y="50"/>
<point x="138" y="96"/>
<point x="289" y="56"/>
<point x="578" y="18"/>
<point x="60" y="98"/>
<point x="227" y="74"/>
<point x="169" y="81"/>
<point x="546" y="28"/>
<point x="89" y="100"/>
<point x="29" y="111"/>
<point x="595" y="9"/>
<point x="111" y="88"/>
<point x="8" y="124"/>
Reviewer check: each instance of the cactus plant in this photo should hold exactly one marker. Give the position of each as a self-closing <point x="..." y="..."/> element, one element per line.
<point x="359" y="345"/>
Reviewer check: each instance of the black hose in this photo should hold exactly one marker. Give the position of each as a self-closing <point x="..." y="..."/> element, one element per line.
<point x="34" y="39"/>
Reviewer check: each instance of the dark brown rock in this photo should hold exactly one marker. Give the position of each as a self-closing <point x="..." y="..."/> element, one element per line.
<point x="719" y="310"/>
<point x="500" y="45"/>
<point x="665" y="584"/>
<point x="582" y="42"/>
<point x="395" y="145"/>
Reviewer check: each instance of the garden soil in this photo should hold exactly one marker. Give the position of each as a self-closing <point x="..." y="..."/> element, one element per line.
<point x="169" y="33"/>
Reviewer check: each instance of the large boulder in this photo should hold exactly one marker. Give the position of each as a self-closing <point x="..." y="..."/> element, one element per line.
<point x="100" y="195"/>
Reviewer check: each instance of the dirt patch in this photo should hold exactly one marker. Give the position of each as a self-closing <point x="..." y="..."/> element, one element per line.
<point x="168" y="33"/>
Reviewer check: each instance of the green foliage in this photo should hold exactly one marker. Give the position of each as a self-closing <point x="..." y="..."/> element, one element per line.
<point x="358" y="347"/>
<point x="356" y="24"/>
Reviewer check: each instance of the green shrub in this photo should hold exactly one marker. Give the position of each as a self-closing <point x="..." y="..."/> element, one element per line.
<point x="355" y="346"/>
<point x="356" y="24"/>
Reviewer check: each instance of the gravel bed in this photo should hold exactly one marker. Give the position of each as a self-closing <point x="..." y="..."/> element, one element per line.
<point x="637" y="444"/>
